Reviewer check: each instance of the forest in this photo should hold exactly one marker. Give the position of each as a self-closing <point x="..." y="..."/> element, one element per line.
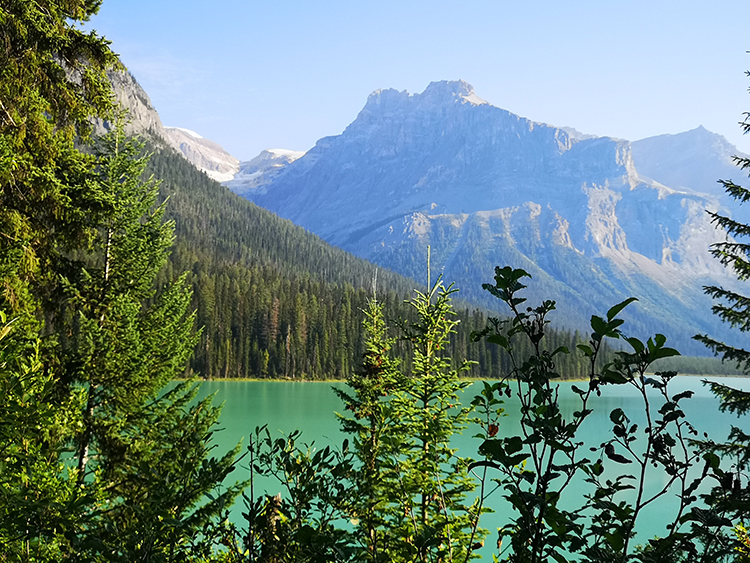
<point x="118" y="287"/>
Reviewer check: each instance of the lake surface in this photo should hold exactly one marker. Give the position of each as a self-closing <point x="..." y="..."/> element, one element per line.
<point x="311" y="407"/>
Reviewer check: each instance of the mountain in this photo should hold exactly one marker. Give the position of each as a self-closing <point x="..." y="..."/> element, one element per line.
<point x="255" y="175"/>
<point x="694" y="160"/>
<point x="205" y="155"/>
<point x="142" y="118"/>
<point x="274" y="300"/>
<point x="484" y="187"/>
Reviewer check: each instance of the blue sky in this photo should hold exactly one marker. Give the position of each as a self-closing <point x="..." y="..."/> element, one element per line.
<point x="281" y="74"/>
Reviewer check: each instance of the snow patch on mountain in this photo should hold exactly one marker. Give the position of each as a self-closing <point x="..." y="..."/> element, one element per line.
<point x="254" y="176"/>
<point x="205" y="155"/>
<point x="186" y="131"/>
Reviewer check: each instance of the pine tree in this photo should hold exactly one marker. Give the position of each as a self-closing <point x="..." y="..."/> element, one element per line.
<point x="370" y="423"/>
<point x="428" y="518"/>
<point x="731" y="499"/>
<point x="147" y="448"/>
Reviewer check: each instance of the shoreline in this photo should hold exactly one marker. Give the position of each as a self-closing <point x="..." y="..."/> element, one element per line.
<point x="469" y="379"/>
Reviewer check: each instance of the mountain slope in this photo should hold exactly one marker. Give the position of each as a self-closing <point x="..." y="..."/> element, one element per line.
<point x="484" y="187"/>
<point x="693" y="160"/>
<point x="276" y="301"/>
<point x="205" y="155"/>
<point x="141" y="117"/>
<point x="143" y="120"/>
<point x="255" y="175"/>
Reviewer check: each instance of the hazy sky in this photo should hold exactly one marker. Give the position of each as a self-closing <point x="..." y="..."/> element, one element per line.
<point x="281" y="74"/>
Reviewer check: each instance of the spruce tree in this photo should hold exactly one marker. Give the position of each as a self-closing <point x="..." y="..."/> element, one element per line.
<point x="731" y="499"/>
<point x="42" y="511"/>
<point x="145" y="447"/>
<point x="428" y="517"/>
<point x="52" y="81"/>
<point x="370" y="425"/>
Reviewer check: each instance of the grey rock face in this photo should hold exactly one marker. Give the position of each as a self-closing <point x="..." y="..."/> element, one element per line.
<point x="692" y="160"/>
<point x="485" y="187"/>
<point x="141" y="116"/>
<point x="143" y="120"/>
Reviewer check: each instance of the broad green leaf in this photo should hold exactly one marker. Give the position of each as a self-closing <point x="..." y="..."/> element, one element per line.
<point x="613" y="312"/>
<point x="498" y="339"/>
<point x="598" y="325"/>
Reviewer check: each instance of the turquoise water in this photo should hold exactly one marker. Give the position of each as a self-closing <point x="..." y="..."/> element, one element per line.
<point x="310" y="407"/>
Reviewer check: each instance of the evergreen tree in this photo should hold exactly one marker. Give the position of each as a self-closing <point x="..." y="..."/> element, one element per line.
<point x="250" y="269"/>
<point x="52" y="81"/>
<point x="427" y="483"/>
<point x="401" y="485"/>
<point x="370" y="424"/>
<point x="731" y="499"/>
<point x="148" y="449"/>
<point x="42" y="511"/>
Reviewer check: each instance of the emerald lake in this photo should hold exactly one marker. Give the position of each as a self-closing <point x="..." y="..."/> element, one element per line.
<point x="311" y="406"/>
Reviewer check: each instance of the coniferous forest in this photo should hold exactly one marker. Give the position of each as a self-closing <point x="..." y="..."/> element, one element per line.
<point x="115" y="289"/>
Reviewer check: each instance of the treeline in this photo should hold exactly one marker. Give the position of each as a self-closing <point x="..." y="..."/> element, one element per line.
<point x="692" y="365"/>
<point x="276" y="301"/>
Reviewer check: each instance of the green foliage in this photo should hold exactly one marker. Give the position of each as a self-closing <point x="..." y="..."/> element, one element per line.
<point x="399" y="493"/>
<point x="730" y="497"/>
<point x="121" y="351"/>
<point x="370" y="424"/>
<point x="401" y="489"/>
<point x="52" y="81"/>
<point x="139" y="483"/>
<point x="41" y="508"/>
<point x="305" y="524"/>
<point x="426" y="482"/>
<point x="146" y="448"/>
<point x="537" y="467"/>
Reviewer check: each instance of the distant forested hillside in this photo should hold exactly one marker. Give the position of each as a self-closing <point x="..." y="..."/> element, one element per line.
<point x="274" y="300"/>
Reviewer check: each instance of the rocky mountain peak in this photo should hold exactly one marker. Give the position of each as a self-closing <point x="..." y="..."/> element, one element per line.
<point x="483" y="186"/>
<point x="386" y="96"/>
<point x="439" y="93"/>
<point x="446" y="91"/>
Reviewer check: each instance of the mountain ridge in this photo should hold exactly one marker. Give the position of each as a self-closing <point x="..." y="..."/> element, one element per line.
<point x="483" y="187"/>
